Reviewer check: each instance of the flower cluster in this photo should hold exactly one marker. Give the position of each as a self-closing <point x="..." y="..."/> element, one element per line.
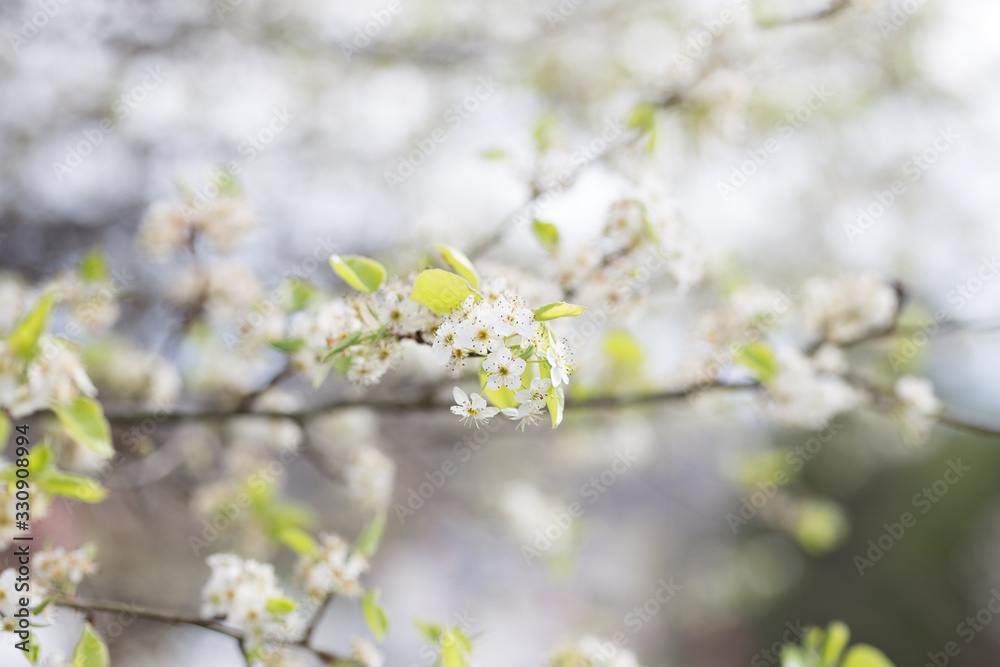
<point x="244" y="594"/>
<point x="841" y="310"/>
<point x="502" y="330"/>
<point x="334" y="570"/>
<point x="591" y="652"/>
<point x="55" y="570"/>
<point x="53" y="375"/>
<point x="170" y="226"/>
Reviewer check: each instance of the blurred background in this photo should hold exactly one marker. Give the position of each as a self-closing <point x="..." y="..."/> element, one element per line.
<point x="322" y="109"/>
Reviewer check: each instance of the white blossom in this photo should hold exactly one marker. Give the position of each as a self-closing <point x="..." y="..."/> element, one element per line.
<point x="841" y="310"/>
<point x="472" y="409"/>
<point x="503" y="370"/>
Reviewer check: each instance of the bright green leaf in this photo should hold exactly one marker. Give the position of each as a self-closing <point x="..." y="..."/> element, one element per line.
<point x="281" y="606"/>
<point x="454" y="650"/>
<point x="546" y="233"/>
<point x="298" y="541"/>
<point x="5" y="427"/>
<point x="431" y="631"/>
<point x="34" y="648"/>
<point x="622" y="348"/>
<point x="440" y="290"/>
<point x="84" y="421"/>
<point x="361" y="273"/>
<point x="458" y="261"/>
<point x="837" y="637"/>
<point x="77" y="487"/>
<point x="40" y="607"/>
<point x="93" y="266"/>
<point x="349" y="341"/>
<point x="24" y="337"/>
<point x="289" y="345"/>
<point x="375" y="616"/>
<point x="371" y="536"/>
<point x="758" y="357"/>
<point x="863" y="655"/>
<point x="556" y="399"/>
<point x="558" y="309"/>
<point x="90" y="651"/>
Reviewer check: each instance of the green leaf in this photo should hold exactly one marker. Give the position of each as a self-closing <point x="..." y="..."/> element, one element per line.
<point x="361" y="273"/>
<point x="546" y="233"/>
<point x="77" y="487"/>
<point x="458" y="261"/>
<point x="90" y="651"/>
<point x="5" y="427"/>
<point x="544" y="130"/>
<point x="431" y="631"/>
<point x="23" y="339"/>
<point x="353" y="339"/>
<point x="375" y="616"/>
<point x="556" y="400"/>
<point x="454" y="650"/>
<point x="791" y="656"/>
<point x="440" y="290"/>
<point x="34" y="648"/>
<point x="758" y="357"/>
<point x="558" y="309"/>
<point x="40" y="607"/>
<point x="289" y="345"/>
<point x="298" y="541"/>
<point x="622" y="348"/>
<point x="93" y="266"/>
<point x="863" y="655"/>
<point x="371" y="536"/>
<point x="84" y="421"/>
<point x="281" y="606"/>
<point x="41" y="459"/>
<point x="837" y="637"/>
<point x="494" y="154"/>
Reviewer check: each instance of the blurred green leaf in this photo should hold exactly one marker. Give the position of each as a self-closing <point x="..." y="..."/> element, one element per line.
<point x="361" y="273"/>
<point x="84" y="421"/>
<point x="91" y="650"/>
<point x="458" y="261"/>
<point x="375" y="616"/>
<point x="23" y="339"/>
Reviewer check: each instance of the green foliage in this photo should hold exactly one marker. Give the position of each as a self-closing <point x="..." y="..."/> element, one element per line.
<point x="758" y="357"/>
<point x="370" y="538"/>
<point x="90" y="651"/>
<point x="558" y="309"/>
<point x="361" y="273"/>
<point x="441" y="291"/>
<point x="826" y="649"/>
<point x="350" y="341"/>
<point x="375" y="616"/>
<point x="298" y="541"/>
<point x="48" y="479"/>
<point x="289" y="345"/>
<point x="93" y="266"/>
<point x="5" y="427"/>
<point x="546" y="233"/>
<point x="460" y="263"/>
<point x="23" y="339"/>
<point x="555" y="400"/>
<point x="83" y="419"/>
<point x="281" y="606"/>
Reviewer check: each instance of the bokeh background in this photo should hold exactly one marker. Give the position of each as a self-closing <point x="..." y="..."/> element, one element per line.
<point x="182" y="86"/>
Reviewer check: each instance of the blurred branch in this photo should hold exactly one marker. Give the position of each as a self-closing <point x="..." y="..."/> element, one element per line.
<point x="171" y="617"/>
